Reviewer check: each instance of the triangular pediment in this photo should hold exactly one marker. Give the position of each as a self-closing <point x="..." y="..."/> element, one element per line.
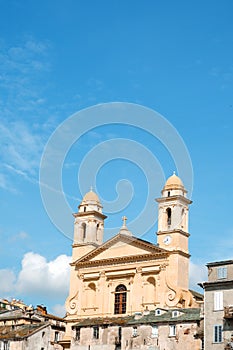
<point x="122" y="246"/>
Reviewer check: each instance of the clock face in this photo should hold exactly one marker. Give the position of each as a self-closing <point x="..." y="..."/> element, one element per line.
<point x="167" y="240"/>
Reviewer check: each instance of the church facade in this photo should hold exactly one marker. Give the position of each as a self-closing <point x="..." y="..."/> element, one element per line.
<point x="129" y="293"/>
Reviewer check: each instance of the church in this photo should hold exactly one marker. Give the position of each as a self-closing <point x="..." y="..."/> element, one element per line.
<point x="128" y="293"/>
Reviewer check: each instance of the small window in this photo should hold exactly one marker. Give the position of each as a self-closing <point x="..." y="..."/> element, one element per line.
<point x="6" y="345"/>
<point x="77" y="333"/>
<point x="157" y="312"/>
<point x="97" y="230"/>
<point x="222" y="272"/>
<point x="155" y="332"/>
<point x="175" y="313"/>
<point x="118" y="339"/>
<point x="96" y="332"/>
<point x="84" y="230"/>
<point x="172" y="330"/>
<point x="217" y="334"/>
<point x="135" y="331"/>
<point x="169" y="216"/>
<point x="43" y="334"/>
<point x="56" y="337"/>
<point x="168" y="193"/>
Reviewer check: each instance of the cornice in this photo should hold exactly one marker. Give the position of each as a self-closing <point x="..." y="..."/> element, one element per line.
<point x="180" y="252"/>
<point x="212" y="285"/>
<point x="169" y="232"/>
<point x="124" y="259"/>
<point x="172" y="198"/>
<point x="76" y="245"/>
<point x="88" y="213"/>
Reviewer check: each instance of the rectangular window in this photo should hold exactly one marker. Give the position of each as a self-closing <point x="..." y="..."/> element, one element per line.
<point x="135" y="331"/>
<point x="218" y="301"/>
<point x="222" y="272"/>
<point x="6" y="345"/>
<point x="172" y="330"/>
<point x="56" y="337"/>
<point x="175" y="313"/>
<point x="217" y="334"/>
<point x="77" y="334"/>
<point x="155" y="331"/>
<point x="120" y="303"/>
<point x="96" y="332"/>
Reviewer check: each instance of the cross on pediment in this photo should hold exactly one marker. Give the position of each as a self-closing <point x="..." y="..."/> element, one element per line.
<point x="124" y="218"/>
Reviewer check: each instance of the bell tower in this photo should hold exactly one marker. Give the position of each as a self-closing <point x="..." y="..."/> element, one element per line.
<point x="88" y="225"/>
<point x="173" y="232"/>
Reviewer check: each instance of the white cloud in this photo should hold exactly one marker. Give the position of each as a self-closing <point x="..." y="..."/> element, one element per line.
<point x="44" y="278"/>
<point x="38" y="280"/>
<point x="197" y="274"/>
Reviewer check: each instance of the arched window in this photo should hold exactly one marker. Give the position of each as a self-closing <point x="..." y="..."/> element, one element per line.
<point x="182" y="218"/>
<point x="120" y="299"/>
<point x="97" y="231"/>
<point x="169" y="216"/>
<point x="84" y="227"/>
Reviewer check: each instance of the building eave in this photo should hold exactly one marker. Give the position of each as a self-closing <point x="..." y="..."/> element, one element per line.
<point x="221" y="283"/>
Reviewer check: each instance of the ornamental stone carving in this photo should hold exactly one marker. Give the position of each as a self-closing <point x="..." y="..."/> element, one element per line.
<point x="72" y="304"/>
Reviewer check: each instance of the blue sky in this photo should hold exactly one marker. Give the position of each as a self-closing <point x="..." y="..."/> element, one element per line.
<point x="60" y="57"/>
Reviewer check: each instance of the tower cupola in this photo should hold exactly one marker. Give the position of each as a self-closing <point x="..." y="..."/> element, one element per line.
<point x="174" y="187"/>
<point x="173" y="206"/>
<point x="89" y="221"/>
<point x="90" y="202"/>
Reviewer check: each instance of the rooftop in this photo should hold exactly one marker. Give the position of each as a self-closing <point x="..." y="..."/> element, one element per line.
<point x="184" y="315"/>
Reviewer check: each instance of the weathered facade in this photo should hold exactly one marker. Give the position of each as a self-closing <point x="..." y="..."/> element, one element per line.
<point x="159" y="329"/>
<point x="27" y="328"/>
<point x="127" y="277"/>
<point x="218" y="306"/>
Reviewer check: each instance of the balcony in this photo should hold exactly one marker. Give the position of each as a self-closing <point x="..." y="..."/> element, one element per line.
<point x="228" y="312"/>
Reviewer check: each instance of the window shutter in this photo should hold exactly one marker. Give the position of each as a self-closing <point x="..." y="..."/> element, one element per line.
<point x="217" y="334"/>
<point x="218" y="301"/>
